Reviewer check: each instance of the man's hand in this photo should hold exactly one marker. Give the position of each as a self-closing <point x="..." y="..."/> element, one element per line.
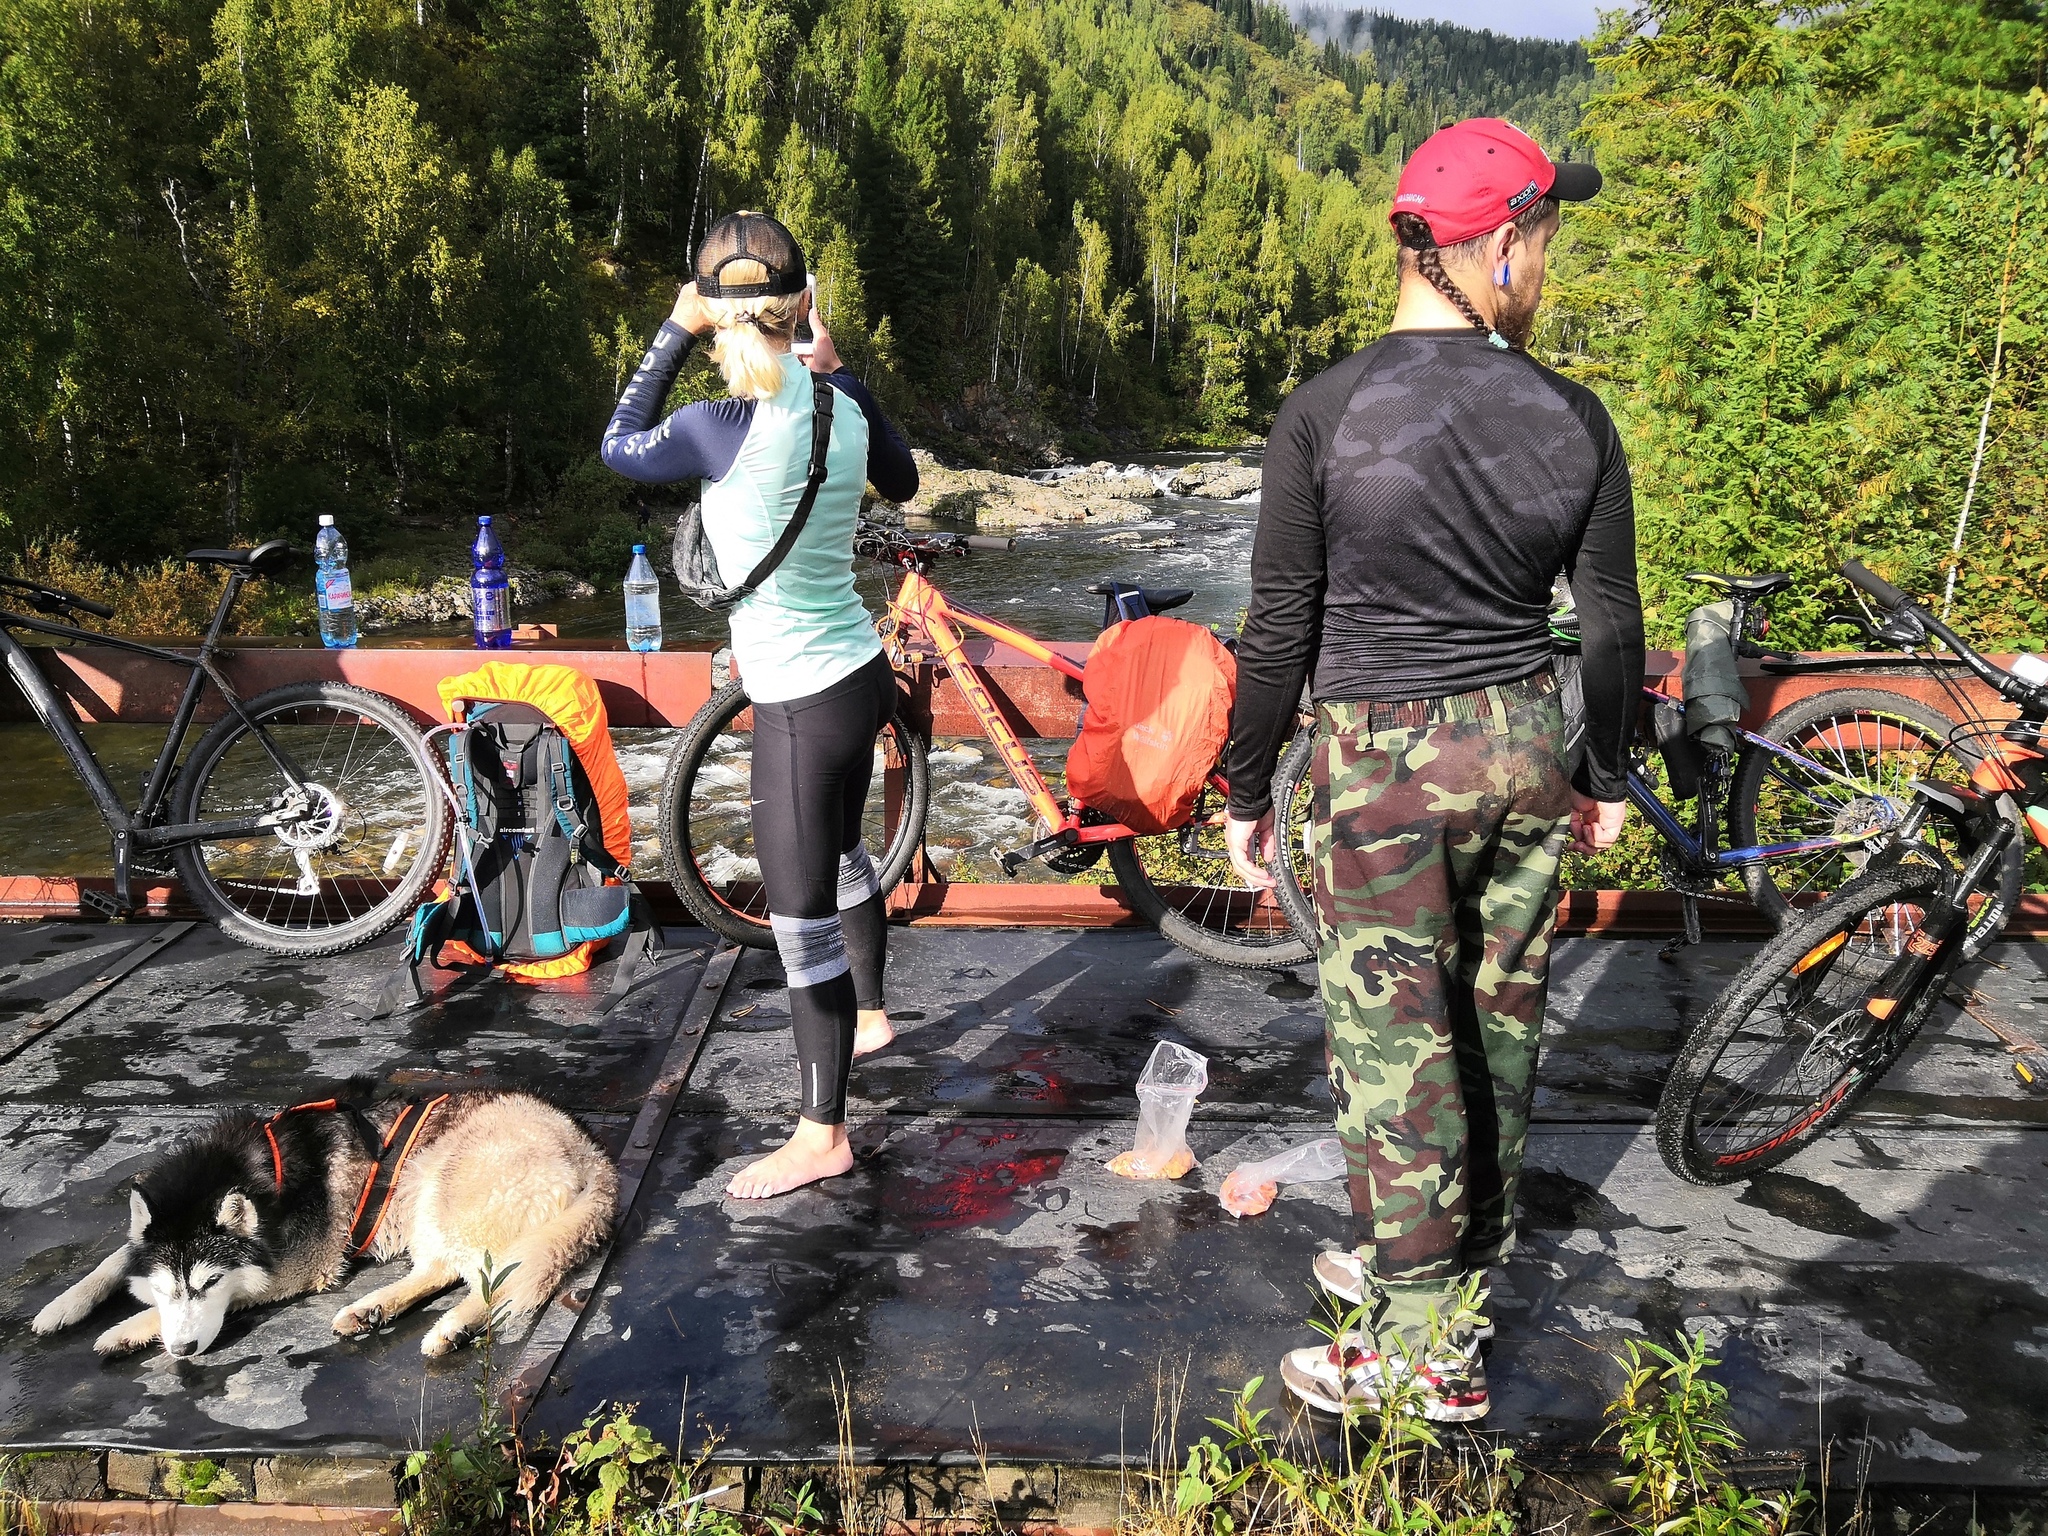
<point x="1251" y="845"/>
<point x="692" y="313"/>
<point x="1595" y="823"/>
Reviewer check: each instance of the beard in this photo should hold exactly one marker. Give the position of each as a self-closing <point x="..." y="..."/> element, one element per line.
<point x="1515" y="311"/>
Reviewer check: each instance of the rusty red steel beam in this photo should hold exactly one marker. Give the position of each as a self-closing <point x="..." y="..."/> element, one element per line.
<point x="666" y="688"/>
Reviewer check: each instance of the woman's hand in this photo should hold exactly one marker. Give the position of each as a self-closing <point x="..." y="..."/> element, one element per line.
<point x="824" y="356"/>
<point x="692" y="313"/>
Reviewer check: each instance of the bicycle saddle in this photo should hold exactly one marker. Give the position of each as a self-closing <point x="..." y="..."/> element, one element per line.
<point x="1743" y="586"/>
<point x="263" y="560"/>
<point x="1156" y="599"/>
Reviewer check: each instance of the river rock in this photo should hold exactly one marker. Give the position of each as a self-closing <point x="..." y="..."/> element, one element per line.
<point x="1224" y="482"/>
<point x="998" y="503"/>
<point x="446" y="599"/>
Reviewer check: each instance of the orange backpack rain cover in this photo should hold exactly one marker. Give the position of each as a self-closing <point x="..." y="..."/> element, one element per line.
<point x="1159" y="693"/>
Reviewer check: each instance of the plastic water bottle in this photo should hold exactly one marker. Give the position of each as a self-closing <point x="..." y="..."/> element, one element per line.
<point x="643" y="603"/>
<point x="331" y="586"/>
<point x="490" y="594"/>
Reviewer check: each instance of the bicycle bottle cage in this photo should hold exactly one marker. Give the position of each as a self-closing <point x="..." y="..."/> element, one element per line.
<point x="1123" y="601"/>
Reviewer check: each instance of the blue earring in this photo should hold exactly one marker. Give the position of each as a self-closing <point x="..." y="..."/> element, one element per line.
<point x="1505" y="274"/>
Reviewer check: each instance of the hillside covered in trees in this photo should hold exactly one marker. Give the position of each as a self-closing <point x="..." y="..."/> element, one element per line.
<point x="392" y="258"/>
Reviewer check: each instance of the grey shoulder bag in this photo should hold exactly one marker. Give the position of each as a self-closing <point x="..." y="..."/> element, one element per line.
<point x="697" y="566"/>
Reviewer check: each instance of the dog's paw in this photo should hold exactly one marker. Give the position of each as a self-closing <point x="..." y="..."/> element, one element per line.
<point x="443" y="1340"/>
<point x="121" y="1339"/>
<point x="354" y="1322"/>
<point x="71" y="1307"/>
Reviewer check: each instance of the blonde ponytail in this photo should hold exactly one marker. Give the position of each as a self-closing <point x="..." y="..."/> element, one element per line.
<point x="753" y="334"/>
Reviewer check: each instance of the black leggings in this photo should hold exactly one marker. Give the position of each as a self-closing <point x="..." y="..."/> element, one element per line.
<point x="813" y="758"/>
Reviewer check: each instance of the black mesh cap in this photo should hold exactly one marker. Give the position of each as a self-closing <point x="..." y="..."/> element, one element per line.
<point x="750" y="237"/>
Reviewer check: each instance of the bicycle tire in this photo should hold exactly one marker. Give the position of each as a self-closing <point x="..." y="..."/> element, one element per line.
<point x="685" y="806"/>
<point x="1813" y="1113"/>
<point x="1293" y="826"/>
<point x="1776" y="885"/>
<point x="221" y="892"/>
<point x="1224" y="923"/>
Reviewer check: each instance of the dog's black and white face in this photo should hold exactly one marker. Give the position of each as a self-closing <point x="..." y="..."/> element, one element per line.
<point x="194" y="1272"/>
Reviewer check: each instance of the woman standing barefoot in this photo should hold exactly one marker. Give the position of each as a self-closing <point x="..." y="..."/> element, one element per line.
<point x="820" y="684"/>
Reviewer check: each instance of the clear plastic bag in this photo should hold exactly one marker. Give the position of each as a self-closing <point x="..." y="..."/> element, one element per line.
<point x="1252" y="1187"/>
<point x="1167" y="1089"/>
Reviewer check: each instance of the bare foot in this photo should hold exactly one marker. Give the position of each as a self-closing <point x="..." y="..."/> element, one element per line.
<point x="872" y="1032"/>
<point x="815" y="1152"/>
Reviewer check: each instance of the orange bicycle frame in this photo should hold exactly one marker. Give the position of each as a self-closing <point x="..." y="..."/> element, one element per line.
<point x="922" y="609"/>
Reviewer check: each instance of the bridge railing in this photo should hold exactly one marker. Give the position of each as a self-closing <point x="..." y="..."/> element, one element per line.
<point x="665" y="688"/>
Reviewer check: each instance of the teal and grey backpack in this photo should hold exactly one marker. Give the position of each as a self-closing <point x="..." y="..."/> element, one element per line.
<point x="536" y="883"/>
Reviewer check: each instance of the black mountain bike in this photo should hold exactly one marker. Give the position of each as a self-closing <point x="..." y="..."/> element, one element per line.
<point x="1791" y="812"/>
<point x="309" y="820"/>
<point x="1825" y="1008"/>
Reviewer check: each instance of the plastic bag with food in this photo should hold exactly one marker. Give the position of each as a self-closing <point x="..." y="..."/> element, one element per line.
<point x="1252" y="1187"/>
<point x="1167" y="1090"/>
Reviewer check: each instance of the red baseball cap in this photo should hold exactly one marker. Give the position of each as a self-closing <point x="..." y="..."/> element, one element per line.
<point x="1472" y="177"/>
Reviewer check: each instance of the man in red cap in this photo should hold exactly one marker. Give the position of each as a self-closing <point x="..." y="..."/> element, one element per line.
<point x="1420" y="500"/>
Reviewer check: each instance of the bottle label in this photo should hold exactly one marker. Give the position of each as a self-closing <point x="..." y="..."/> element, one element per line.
<point x="493" y="609"/>
<point x="336" y="592"/>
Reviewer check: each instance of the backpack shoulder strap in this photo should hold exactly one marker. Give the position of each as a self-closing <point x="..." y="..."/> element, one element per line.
<point x="821" y="444"/>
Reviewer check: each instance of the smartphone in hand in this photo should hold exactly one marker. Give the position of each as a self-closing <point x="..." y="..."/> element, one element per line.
<point x="805" y="341"/>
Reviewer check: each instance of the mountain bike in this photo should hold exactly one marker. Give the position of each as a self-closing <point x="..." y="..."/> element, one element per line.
<point x="306" y="822"/>
<point x="1179" y="881"/>
<point x="1822" y="1012"/>
<point x="1790" y="811"/>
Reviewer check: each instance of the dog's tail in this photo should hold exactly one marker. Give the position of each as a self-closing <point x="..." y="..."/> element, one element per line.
<point x="545" y="1255"/>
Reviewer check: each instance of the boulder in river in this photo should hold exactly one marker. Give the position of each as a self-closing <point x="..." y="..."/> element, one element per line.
<point x="1224" y="482"/>
<point x="998" y="503"/>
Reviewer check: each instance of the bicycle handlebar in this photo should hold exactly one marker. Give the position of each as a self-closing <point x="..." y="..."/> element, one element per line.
<point x="1897" y="604"/>
<point x="1888" y="596"/>
<point x="989" y="543"/>
<point x="53" y="599"/>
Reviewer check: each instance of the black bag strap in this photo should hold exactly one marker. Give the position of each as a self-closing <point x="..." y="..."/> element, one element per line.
<point x="821" y="445"/>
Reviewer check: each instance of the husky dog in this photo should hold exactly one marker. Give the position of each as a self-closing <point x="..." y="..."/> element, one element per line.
<point x="253" y="1210"/>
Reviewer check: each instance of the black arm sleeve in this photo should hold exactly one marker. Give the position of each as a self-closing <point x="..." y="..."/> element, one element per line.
<point x="1610" y="622"/>
<point x="1289" y="575"/>
<point x="891" y="469"/>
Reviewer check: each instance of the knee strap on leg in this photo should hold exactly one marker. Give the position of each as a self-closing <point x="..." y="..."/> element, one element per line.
<point x="857" y="880"/>
<point x="813" y="949"/>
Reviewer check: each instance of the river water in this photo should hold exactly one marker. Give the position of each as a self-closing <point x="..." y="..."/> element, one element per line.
<point x="48" y="826"/>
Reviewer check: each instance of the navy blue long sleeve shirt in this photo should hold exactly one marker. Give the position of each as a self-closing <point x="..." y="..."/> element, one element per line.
<point x="701" y="440"/>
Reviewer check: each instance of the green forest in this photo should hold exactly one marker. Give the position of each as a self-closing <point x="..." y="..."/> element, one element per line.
<point x="262" y="258"/>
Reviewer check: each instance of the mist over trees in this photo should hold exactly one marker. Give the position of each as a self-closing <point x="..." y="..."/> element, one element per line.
<point x="393" y="258"/>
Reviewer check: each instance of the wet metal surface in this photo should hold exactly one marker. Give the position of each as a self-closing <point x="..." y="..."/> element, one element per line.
<point x="980" y="1269"/>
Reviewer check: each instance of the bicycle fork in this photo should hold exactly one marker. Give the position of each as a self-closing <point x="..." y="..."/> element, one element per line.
<point x="1928" y="953"/>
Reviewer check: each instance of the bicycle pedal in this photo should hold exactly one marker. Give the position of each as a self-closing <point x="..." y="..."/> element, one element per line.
<point x="1010" y="861"/>
<point x="98" y="901"/>
<point x="2032" y="1072"/>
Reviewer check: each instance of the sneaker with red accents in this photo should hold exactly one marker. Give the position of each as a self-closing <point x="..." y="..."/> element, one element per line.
<point x="1343" y="1274"/>
<point x="1351" y="1375"/>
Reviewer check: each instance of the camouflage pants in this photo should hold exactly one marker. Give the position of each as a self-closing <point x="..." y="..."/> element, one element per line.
<point x="1438" y="829"/>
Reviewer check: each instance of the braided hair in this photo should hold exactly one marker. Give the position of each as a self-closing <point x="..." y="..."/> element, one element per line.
<point x="1413" y="233"/>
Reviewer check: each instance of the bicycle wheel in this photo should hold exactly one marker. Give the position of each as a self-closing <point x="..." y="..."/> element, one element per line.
<point x="1293" y="867"/>
<point x="1874" y="744"/>
<point x="377" y="840"/>
<point x="1787" y="1051"/>
<point x="707" y="822"/>
<point x="1182" y="884"/>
